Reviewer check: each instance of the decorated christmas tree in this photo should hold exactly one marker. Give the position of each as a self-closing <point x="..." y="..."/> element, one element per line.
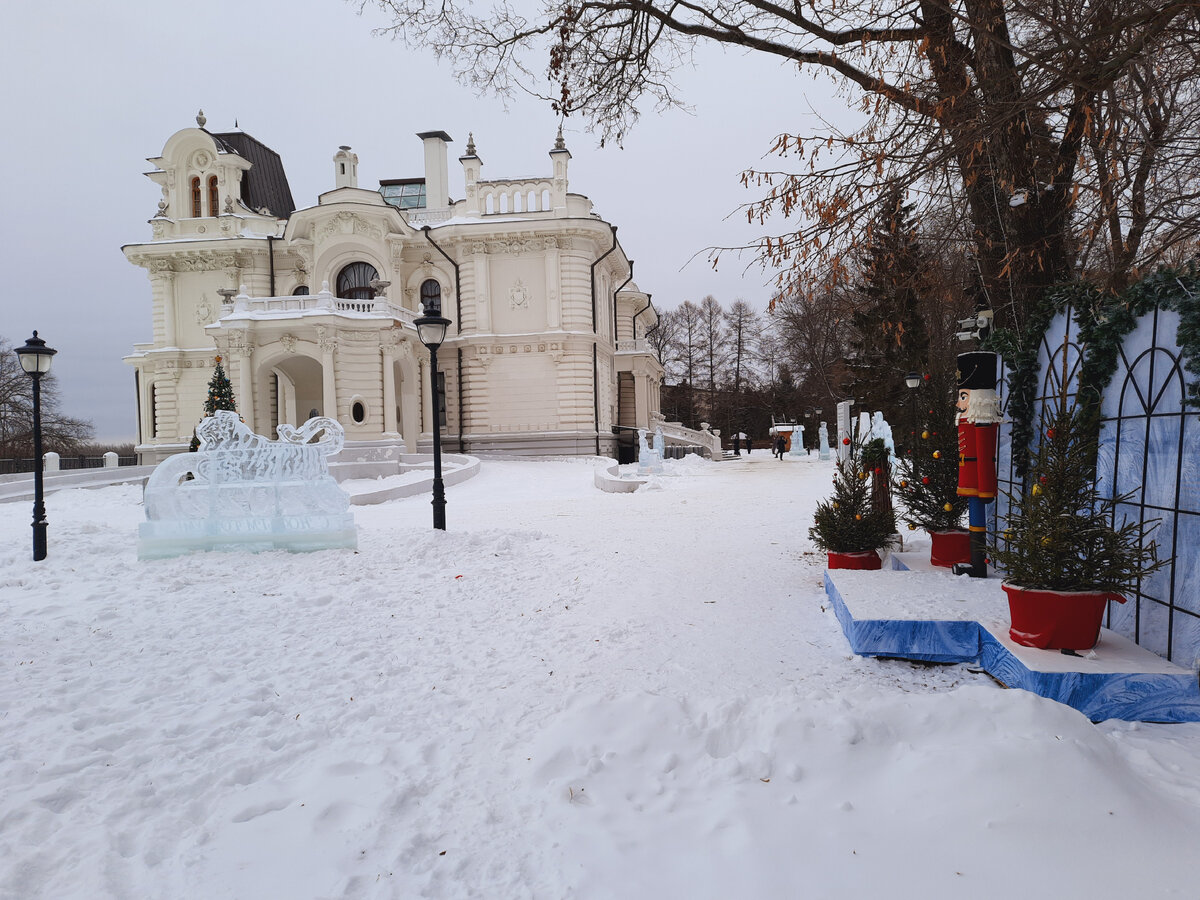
<point x="1060" y="534"/>
<point x="848" y="522"/>
<point x="926" y="480"/>
<point x="220" y="396"/>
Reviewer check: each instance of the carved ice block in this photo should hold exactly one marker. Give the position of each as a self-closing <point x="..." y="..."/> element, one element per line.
<point x="650" y="460"/>
<point x="241" y="491"/>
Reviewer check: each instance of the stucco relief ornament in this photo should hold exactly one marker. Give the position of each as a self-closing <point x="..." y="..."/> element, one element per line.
<point x="201" y="159"/>
<point x="518" y="295"/>
<point x="289" y="342"/>
<point x="204" y="312"/>
<point x="162" y="208"/>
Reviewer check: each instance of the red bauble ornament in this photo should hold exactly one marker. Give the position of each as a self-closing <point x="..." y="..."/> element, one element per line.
<point x="1042" y="479"/>
<point x="845" y="440"/>
<point x="878" y="471"/>
<point x="926" y="376"/>
<point x="1050" y="433"/>
<point x="925" y="479"/>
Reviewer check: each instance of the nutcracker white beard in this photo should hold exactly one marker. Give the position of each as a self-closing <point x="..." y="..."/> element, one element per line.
<point x="983" y="407"/>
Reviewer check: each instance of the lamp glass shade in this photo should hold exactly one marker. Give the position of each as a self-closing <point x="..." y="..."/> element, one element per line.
<point x="432" y="330"/>
<point x="35" y="356"/>
<point x="912" y="379"/>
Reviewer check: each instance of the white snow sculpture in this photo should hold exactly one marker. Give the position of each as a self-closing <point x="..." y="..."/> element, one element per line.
<point x="241" y="491"/>
<point x="823" y="437"/>
<point x="650" y="461"/>
<point x="881" y="429"/>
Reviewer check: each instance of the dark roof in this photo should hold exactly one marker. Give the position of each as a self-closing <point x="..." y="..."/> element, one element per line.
<point x="265" y="184"/>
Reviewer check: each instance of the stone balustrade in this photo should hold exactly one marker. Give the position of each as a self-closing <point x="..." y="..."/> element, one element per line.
<point x="505" y="197"/>
<point x="324" y="299"/>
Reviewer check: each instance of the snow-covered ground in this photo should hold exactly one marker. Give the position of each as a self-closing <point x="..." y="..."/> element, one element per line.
<point x="569" y="693"/>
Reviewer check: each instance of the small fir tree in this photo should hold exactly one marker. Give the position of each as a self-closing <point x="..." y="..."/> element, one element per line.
<point x="1060" y="532"/>
<point x="927" y="471"/>
<point x="848" y="522"/>
<point x="220" y="396"/>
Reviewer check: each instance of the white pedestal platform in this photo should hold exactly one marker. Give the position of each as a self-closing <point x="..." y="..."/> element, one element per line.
<point x="917" y="611"/>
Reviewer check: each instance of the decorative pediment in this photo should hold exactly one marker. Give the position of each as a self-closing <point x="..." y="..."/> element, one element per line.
<point x="345" y="223"/>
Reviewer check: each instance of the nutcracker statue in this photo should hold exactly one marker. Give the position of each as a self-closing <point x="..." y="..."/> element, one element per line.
<point x="978" y="424"/>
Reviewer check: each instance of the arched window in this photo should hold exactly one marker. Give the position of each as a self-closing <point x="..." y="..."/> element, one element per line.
<point x="300" y="291"/>
<point x="196" y="198"/>
<point x="214" y="197"/>
<point x="354" y="281"/>
<point x="431" y="297"/>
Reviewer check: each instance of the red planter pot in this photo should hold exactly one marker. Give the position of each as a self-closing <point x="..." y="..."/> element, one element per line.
<point x="863" y="559"/>
<point x="950" y="547"/>
<point x="1056" y="620"/>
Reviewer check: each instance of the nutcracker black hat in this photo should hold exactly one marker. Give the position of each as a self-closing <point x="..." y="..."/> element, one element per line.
<point x="977" y="370"/>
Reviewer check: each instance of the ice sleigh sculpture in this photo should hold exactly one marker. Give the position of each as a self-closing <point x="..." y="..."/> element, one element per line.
<point x="241" y="491"/>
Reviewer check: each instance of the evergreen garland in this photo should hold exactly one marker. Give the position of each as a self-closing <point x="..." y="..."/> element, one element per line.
<point x="220" y="396"/>
<point x="848" y="522"/>
<point x="1059" y="535"/>
<point x="1102" y="324"/>
<point x="927" y="474"/>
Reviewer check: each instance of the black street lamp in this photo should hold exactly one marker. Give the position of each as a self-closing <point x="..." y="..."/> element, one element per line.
<point x="35" y="359"/>
<point x="913" y="380"/>
<point x="431" y="329"/>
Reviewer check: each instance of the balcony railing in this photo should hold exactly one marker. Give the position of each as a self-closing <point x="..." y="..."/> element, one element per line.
<point x="324" y="300"/>
<point x="639" y="345"/>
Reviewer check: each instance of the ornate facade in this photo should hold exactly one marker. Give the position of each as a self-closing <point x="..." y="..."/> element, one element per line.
<point x="312" y="309"/>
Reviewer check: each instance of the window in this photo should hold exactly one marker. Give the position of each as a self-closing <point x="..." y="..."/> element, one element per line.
<point x="214" y="197"/>
<point x="300" y="291"/>
<point x="354" y="281"/>
<point x="403" y="194"/>
<point x="358" y="412"/>
<point x="431" y="298"/>
<point x="196" y="198"/>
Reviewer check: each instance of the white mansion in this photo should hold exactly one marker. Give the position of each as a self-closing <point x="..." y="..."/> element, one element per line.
<point x="311" y="310"/>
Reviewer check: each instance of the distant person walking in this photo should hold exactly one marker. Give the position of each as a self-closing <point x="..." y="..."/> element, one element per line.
<point x="747" y="446"/>
<point x="780" y="446"/>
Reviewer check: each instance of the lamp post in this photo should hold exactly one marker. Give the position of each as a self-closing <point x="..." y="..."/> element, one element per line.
<point x="35" y="359"/>
<point x="913" y="380"/>
<point x="431" y="329"/>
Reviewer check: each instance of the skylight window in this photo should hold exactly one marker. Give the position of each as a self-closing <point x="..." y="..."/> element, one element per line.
<point x="404" y="193"/>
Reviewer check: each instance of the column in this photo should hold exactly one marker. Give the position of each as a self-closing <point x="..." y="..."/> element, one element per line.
<point x="164" y="287"/>
<point x="246" y="377"/>
<point x="483" y="307"/>
<point x="553" y="287"/>
<point x="328" y="347"/>
<point x="426" y="399"/>
<point x="388" y="352"/>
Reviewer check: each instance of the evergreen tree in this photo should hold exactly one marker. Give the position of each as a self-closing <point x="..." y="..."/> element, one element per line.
<point x="220" y="396"/>
<point x="927" y="465"/>
<point x="849" y="522"/>
<point x="1060" y="534"/>
<point x="890" y="336"/>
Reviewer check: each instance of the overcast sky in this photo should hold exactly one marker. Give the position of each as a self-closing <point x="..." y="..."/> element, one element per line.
<point x="93" y="89"/>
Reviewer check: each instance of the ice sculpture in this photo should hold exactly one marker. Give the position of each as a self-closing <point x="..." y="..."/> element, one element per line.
<point x="823" y="435"/>
<point x="241" y="491"/>
<point x="659" y="443"/>
<point x="650" y="460"/>
<point x="797" y="448"/>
